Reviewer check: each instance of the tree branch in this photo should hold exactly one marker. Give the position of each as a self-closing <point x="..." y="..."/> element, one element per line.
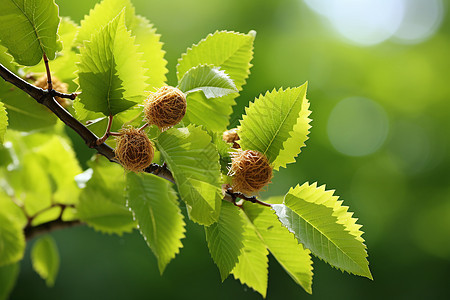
<point x="46" y="98"/>
<point x="32" y="231"/>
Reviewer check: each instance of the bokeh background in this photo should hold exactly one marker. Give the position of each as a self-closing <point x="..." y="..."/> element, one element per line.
<point x="379" y="87"/>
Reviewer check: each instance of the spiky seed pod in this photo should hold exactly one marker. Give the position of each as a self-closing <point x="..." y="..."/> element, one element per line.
<point x="231" y="136"/>
<point x="58" y="86"/>
<point x="134" y="150"/>
<point x="165" y="107"/>
<point x="251" y="171"/>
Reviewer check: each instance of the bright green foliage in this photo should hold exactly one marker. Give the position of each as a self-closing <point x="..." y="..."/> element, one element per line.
<point x="12" y="240"/>
<point x="14" y="212"/>
<point x="24" y="113"/>
<point x="102" y="202"/>
<point x="100" y="15"/>
<point x="252" y="268"/>
<point x="47" y="215"/>
<point x="292" y="256"/>
<point x="317" y="226"/>
<point x="45" y="259"/>
<point x="225" y="239"/>
<point x="194" y="162"/>
<point x="6" y="59"/>
<point x="149" y="44"/>
<point x="212" y="81"/>
<point x="269" y="121"/>
<point x="29" y="29"/>
<point x="3" y="121"/>
<point x="8" y="276"/>
<point x="155" y="207"/>
<point x="230" y="51"/>
<point x="110" y="72"/>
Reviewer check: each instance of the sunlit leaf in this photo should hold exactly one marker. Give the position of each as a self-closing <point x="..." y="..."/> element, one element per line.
<point x="269" y="123"/>
<point x="225" y="239"/>
<point x="3" y="121"/>
<point x="194" y="162"/>
<point x="45" y="259"/>
<point x="292" y="256"/>
<point x="230" y="51"/>
<point x="8" y="277"/>
<point x="110" y="72"/>
<point x="155" y="207"/>
<point x="29" y="29"/>
<point x="12" y="240"/>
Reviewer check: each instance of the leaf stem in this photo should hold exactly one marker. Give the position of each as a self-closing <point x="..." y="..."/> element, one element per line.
<point x="49" y="76"/>
<point x="107" y="132"/>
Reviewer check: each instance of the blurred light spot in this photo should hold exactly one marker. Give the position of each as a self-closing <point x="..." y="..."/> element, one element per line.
<point x="369" y="22"/>
<point x="421" y="19"/>
<point x="365" y="22"/>
<point x="357" y="126"/>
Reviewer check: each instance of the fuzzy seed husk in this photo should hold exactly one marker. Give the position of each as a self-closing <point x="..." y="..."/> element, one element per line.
<point x="165" y="107"/>
<point x="134" y="150"/>
<point x="58" y="86"/>
<point x="251" y="171"/>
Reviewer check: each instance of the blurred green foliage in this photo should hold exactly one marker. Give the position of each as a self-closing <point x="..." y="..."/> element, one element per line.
<point x="400" y="192"/>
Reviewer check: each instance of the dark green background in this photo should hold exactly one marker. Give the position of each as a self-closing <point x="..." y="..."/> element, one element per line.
<point x="400" y="193"/>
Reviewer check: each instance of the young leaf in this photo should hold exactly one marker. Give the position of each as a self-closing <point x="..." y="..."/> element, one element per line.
<point x="318" y="228"/>
<point x="45" y="259"/>
<point x="194" y="162"/>
<point x="149" y="44"/>
<point x="100" y="15"/>
<point x="110" y="73"/>
<point x="252" y="267"/>
<point x="12" y="240"/>
<point x="29" y="29"/>
<point x="102" y="202"/>
<point x="212" y="81"/>
<point x="269" y="122"/>
<point x="8" y="277"/>
<point x="225" y="239"/>
<point x="154" y="205"/>
<point x="291" y="255"/>
<point x="3" y="121"/>
<point x="230" y="51"/>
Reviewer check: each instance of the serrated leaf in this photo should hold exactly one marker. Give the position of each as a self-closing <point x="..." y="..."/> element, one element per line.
<point x="29" y="29"/>
<point x="155" y="207"/>
<point x="8" y="277"/>
<point x="12" y="240"/>
<point x="318" y="227"/>
<point x="230" y="51"/>
<point x="225" y="239"/>
<point x="292" y="256"/>
<point x="24" y="113"/>
<point x="45" y="259"/>
<point x="102" y="202"/>
<point x="149" y="44"/>
<point x="110" y="73"/>
<point x="252" y="267"/>
<point x="194" y="162"/>
<point x="3" y="121"/>
<point x="212" y="81"/>
<point x="268" y="124"/>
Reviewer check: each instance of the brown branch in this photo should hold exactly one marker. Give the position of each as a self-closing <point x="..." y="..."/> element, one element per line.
<point x="45" y="98"/>
<point x="231" y="196"/>
<point x="32" y="231"/>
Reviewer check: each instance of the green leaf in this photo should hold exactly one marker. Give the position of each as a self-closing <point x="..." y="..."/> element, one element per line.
<point x="252" y="267"/>
<point x="292" y="256"/>
<point x="110" y="73"/>
<point x="149" y="44"/>
<point x="155" y="207"/>
<point x="24" y="113"/>
<point x="268" y="124"/>
<point x="10" y="208"/>
<point x="194" y="162"/>
<point x="8" y="277"/>
<point x="100" y="15"/>
<point x="3" y="121"/>
<point x="230" y="51"/>
<point x="225" y="239"/>
<point x="102" y="202"/>
<point x="212" y="81"/>
<point x="318" y="227"/>
<point x="29" y="29"/>
<point x="12" y="240"/>
<point x="45" y="259"/>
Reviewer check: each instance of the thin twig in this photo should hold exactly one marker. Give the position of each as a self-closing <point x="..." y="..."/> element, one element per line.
<point x="49" y="75"/>
<point x="63" y="95"/>
<point x="234" y="195"/>
<point x="107" y="132"/>
<point x="31" y="232"/>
